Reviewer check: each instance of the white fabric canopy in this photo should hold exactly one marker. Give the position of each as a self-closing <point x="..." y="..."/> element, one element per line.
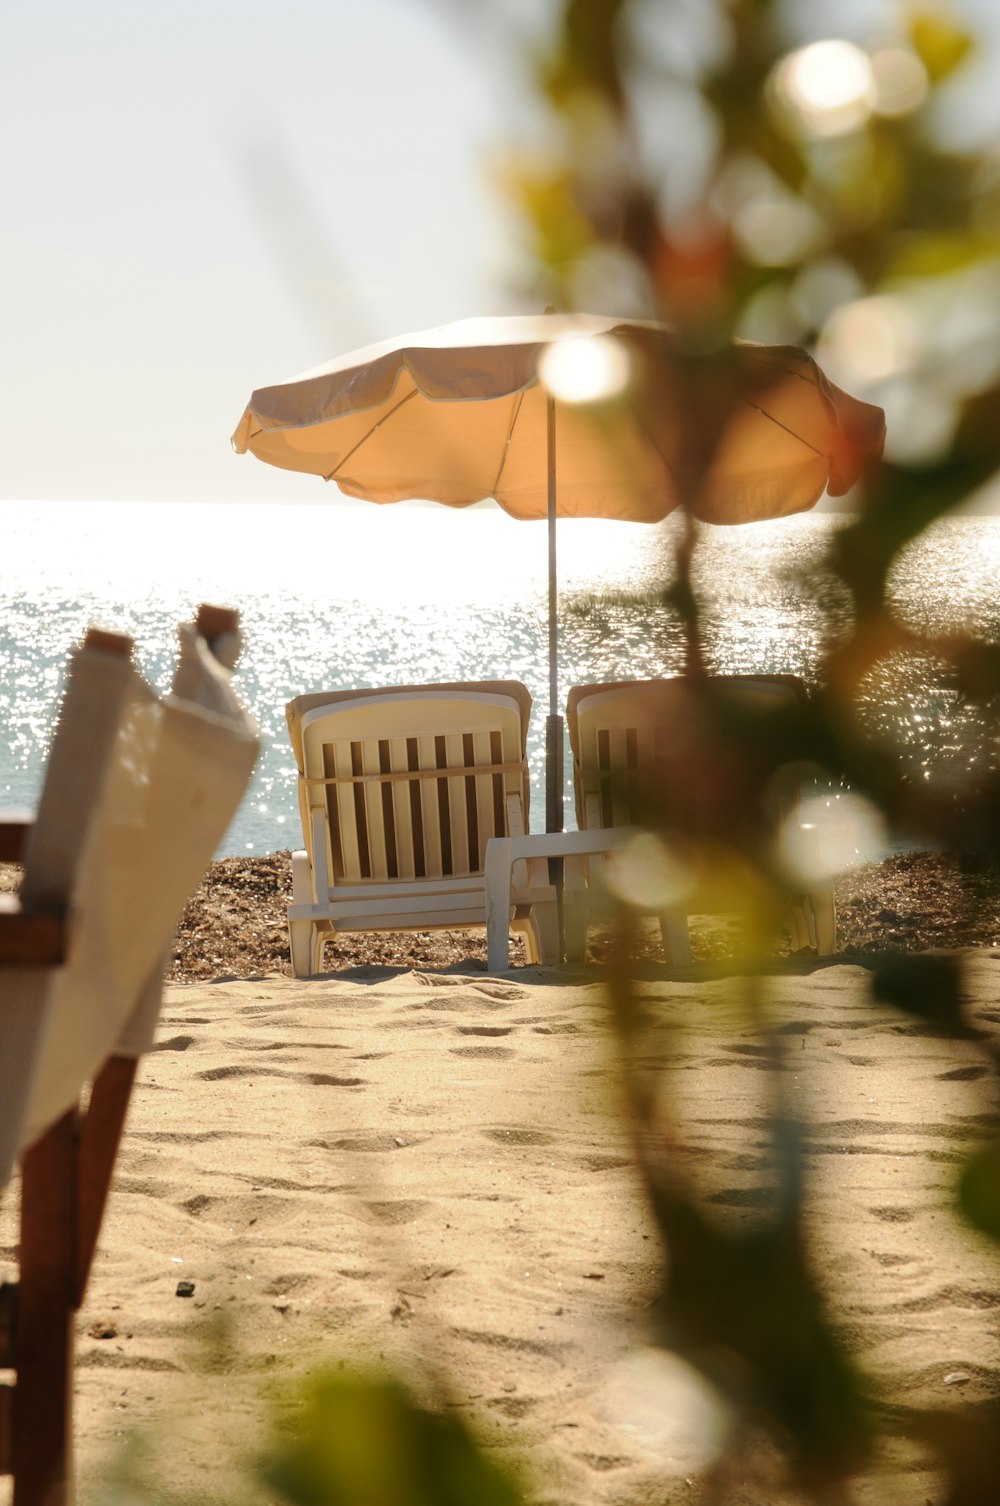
<point x="457" y="414"/>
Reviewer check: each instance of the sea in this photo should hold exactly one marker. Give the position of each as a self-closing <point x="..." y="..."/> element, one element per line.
<point x="335" y="594"/>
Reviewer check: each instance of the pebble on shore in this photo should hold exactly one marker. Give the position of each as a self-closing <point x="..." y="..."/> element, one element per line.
<point x="235" y="926"/>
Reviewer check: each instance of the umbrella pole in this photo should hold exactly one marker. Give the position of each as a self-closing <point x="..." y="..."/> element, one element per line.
<point x="553" y="722"/>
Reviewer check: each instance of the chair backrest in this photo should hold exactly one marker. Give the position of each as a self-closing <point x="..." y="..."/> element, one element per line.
<point x="624" y="733"/>
<point x="410" y="782"/>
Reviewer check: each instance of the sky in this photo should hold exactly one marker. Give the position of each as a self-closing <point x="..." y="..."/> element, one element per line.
<point x="204" y="197"/>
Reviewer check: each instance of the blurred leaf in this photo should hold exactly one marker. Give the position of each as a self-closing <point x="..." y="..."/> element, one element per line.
<point x="589" y="53"/>
<point x="939" y="42"/>
<point x="977" y="667"/>
<point x="979" y="1191"/>
<point x="969" y="1445"/>
<point x="364" y="1441"/>
<point x="937" y="253"/>
<point x="901" y="501"/>
<point x="547" y="197"/>
<point x="745" y="1309"/>
<point x="928" y="987"/>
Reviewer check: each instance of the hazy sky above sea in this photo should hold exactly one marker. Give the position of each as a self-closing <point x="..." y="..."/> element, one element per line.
<point x="203" y="197"/>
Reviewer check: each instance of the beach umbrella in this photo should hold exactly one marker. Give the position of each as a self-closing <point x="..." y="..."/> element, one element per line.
<point x="559" y="415"/>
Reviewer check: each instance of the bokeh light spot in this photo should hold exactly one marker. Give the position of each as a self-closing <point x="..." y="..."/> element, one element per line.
<point x="647" y="875"/>
<point x="827" y="86"/>
<point x="871" y="339"/>
<point x="899" y="81"/>
<point x="593" y="369"/>
<point x="659" y="1396"/>
<point x="840" y="832"/>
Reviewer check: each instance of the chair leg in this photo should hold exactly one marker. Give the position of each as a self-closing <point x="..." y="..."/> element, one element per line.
<point x="576" y="923"/>
<point x="545" y="919"/>
<point x="317" y="944"/>
<point x="524" y="926"/>
<point x="825" y="916"/>
<point x="41" y="1447"/>
<point x="802" y="932"/>
<point x="99" y="1139"/>
<point x="300" y="945"/>
<point x="676" y="942"/>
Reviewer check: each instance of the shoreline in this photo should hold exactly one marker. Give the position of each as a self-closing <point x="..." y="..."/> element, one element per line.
<point x="235" y="926"/>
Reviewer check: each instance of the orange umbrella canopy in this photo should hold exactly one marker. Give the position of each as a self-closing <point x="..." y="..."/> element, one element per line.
<point x="459" y="413"/>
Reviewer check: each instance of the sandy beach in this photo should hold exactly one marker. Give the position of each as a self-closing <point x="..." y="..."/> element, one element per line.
<point x="384" y="1164"/>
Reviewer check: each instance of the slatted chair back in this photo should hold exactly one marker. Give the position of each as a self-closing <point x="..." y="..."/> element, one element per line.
<point x="643" y="744"/>
<point x="409" y="783"/>
<point x="624" y="734"/>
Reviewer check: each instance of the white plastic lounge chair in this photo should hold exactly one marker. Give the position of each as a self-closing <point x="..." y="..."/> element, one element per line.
<point x="625" y="732"/>
<point x="138" y="793"/>
<point x="400" y="789"/>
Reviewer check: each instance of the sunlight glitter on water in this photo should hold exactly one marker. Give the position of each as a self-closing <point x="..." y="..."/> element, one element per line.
<point x="342" y="595"/>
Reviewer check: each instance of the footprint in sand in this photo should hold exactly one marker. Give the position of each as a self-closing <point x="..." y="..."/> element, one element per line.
<point x="198" y="1204"/>
<point x="373" y="1142"/>
<point x="317" y="1079"/>
<point x="219" y="1074"/>
<point x="512" y="1406"/>
<point x="740" y="1161"/>
<point x="175" y="1043"/>
<point x="402" y="1211"/>
<point x="282" y="1184"/>
<point x="114" y="1359"/>
<point x="484" y="1029"/>
<point x="496" y="1052"/>
<point x="284" y="1046"/>
<point x="756" y="1063"/>
<point x="547" y="1349"/>
<point x="601" y="1463"/>
<point x="978" y="1300"/>
<point x="452" y="1006"/>
<point x="743" y="1197"/>
<point x="518" y="1136"/>
<point x="238" y="1211"/>
<point x="283" y="1286"/>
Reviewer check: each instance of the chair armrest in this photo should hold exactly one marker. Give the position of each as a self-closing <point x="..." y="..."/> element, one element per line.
<point x="515" y="814"/>
<point x="33" y="937"/>
<point x="302" y="883"/>
<point x="13" y="837"/>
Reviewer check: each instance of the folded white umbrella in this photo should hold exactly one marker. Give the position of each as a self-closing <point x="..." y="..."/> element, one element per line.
<point x="138" y="792"/>
<point x="460" y="413"/>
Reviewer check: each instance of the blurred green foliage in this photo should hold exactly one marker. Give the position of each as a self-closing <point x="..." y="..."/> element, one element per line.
<point x="706" y="166"/>
<point x="364" y="1440"/>
<point x="700" y="166"/>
